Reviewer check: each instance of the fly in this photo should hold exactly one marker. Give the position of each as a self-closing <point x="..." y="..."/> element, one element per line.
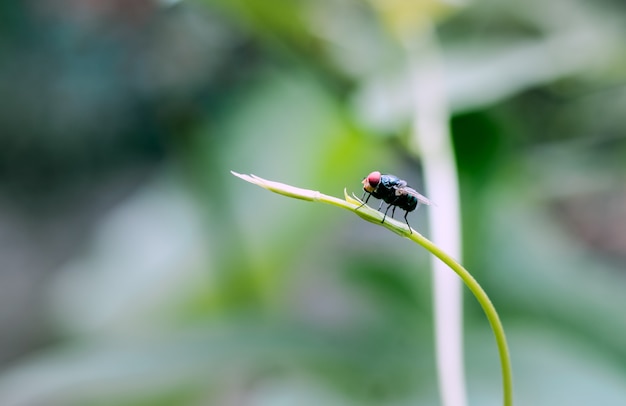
<point x="393" y="191"/>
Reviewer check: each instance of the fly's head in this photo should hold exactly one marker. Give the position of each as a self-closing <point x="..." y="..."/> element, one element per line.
<point x="371" y="181"/>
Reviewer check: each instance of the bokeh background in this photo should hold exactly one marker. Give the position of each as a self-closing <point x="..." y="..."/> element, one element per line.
<point x="136" y="270"/>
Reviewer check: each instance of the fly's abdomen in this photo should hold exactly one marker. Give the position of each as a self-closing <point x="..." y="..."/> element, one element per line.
<point x="405" y="200"/>
<point x="410" y="203"/>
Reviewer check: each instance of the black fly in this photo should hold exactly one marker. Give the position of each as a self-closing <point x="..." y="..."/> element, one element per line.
<point x="393" y="191"/>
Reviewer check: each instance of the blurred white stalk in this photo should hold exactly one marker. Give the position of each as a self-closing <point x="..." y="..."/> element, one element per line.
<point x="431" y="137"/>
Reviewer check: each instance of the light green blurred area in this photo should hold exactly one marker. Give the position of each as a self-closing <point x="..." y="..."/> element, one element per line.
<point x="136" y="270"/>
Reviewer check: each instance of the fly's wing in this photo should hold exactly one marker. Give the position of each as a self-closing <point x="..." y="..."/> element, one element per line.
<point x="412" y="192"/>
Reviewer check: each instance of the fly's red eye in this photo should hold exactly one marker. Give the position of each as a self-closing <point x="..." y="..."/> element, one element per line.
<point x="373" y="178"/>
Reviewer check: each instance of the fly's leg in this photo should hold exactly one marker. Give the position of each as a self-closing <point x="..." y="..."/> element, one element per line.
<point x="385" y="216"/>
<point x="407" y="222"/>
<point x="392" y="211"/>
<point x="364" y="201"/>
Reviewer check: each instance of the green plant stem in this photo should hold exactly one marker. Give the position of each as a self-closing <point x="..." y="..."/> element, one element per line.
<point x="353" y="204"/>
<point x="488" y="308"/>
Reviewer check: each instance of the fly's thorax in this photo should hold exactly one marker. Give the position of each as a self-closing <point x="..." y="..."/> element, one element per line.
<point x="391" y="181"/>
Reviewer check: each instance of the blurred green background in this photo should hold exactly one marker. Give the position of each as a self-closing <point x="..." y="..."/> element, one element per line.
<point x="135" y="270"/>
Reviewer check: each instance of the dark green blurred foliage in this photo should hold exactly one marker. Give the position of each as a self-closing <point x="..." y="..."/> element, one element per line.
<point x="135" y="270"/>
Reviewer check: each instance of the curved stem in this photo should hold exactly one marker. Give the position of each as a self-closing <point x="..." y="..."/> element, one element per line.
<point x="488" y="308"/>
<point x="353" y="204"/>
